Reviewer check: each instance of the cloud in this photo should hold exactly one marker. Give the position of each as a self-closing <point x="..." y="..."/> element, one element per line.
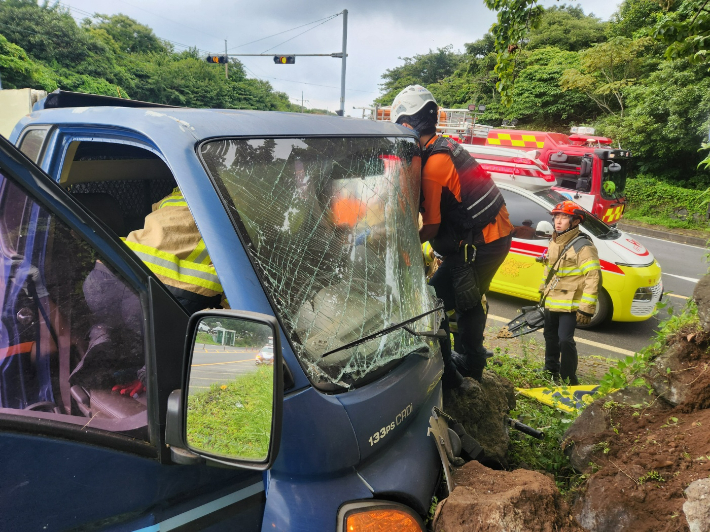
<point x="379" y="33"/>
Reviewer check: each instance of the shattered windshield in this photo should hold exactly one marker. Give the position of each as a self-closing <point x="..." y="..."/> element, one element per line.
<point x="331" y="224"/>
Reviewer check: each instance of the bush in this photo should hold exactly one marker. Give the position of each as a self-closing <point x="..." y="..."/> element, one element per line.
<point x="655" y="201"/>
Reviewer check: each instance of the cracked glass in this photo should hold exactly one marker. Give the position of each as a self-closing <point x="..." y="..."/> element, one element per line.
<point x="332" y="227"/>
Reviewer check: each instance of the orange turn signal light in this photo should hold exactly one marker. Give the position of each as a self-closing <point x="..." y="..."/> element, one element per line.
<point x="384" y="520"/>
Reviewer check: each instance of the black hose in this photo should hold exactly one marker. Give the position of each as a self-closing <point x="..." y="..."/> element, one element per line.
<point x="526" y="429"/>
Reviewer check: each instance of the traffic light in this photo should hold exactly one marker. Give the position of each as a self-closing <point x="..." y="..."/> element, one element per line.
<point x="217" y="59"/>
<point x="284" y="59"/>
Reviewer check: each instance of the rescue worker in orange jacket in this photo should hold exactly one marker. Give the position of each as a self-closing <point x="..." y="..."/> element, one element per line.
<point x="571" y="292"/>
<point x="465" y="220"/>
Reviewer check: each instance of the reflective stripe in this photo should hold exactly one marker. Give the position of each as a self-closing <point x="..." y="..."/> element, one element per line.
<point x="173" y="202"/>
<point x="569" y="272"/>
<point x="589" y="298"/>
<point x="567" y="304"/>
<point x="199" y="254"/>
<point x="170" y="266"/>
<point x="486" y="207"/>
<point x="590" y="265"/>
<point x="490" y="188"/>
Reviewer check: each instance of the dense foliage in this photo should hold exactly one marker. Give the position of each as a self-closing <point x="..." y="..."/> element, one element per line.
<point x="640" y="78"/>
<point x="42" y="47"/>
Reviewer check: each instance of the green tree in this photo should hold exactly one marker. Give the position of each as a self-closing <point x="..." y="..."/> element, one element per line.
<point x="422" y="69"/>
<point x="567" y="27"/>
<point x="666" y="122"/>
<point x="131" y="36"/>
<point x="606" y="71"/>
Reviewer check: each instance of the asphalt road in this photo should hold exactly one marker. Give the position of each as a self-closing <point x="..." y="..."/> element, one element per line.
<point x="682" y="267"/>
<point x="219" y="364"/>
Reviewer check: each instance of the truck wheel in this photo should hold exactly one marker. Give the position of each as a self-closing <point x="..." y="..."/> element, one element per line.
<point x="603" y="313"/>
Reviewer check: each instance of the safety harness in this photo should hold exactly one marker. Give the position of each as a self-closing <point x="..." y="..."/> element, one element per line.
<point x="481" y="199"/>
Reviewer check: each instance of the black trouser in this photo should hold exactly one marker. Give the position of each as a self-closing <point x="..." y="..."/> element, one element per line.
<point x="559" y="338"/>
<point x="471" y="322"/>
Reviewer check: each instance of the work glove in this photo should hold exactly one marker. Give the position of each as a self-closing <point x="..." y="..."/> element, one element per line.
<point x="583" y="318"/>
<point x="133" y="389"/>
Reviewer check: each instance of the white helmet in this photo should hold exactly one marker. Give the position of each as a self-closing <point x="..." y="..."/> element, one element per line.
<point x="411" y="100"/>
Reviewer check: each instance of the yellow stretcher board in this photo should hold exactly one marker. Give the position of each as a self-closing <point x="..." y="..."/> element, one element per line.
<point x="565" y="398"/>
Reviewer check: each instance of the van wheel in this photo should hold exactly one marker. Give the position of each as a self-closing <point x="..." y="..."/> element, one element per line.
<point x="603" y="313"/>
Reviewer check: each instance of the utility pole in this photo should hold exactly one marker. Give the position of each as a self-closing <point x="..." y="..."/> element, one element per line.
<point x="301" y="102"/>
<point x="226" y="63"/>
<point x="342" y="72"/>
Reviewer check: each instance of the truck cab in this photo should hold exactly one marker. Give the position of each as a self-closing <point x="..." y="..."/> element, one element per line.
<point x="586" y="167"/>
<point x="311" y="225"/>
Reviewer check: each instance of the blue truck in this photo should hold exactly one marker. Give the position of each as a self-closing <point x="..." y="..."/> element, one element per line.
<point x="311" y="225"/>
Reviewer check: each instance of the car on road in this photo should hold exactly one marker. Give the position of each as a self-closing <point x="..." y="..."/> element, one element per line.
<point x="631" y="276"/>
<point x="312" y="232"/>
<point x="266" y="354"/>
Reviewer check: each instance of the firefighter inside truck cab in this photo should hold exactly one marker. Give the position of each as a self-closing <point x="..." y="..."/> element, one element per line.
<point x="465" y="220"/>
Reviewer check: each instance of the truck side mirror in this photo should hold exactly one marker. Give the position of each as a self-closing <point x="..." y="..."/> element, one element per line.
<point x="585" y="167"/>
<point x="614" y="167"/>
<point x="558" y="157"/>
<point x="231" y="416"/>
<point x="544" y="229"/>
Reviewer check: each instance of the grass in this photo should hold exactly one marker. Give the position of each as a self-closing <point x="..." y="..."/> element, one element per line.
<point x="639" y="215"/>
<point x="233" y="419"/>
<point x="526" y="452"/>
<point x="205" y="338"/>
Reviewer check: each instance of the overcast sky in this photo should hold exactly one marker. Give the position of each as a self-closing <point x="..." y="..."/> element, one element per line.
<point x="379" y="32"/>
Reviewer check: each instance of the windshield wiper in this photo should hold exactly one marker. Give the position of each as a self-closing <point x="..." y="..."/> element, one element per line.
<point x="386" y="330"/>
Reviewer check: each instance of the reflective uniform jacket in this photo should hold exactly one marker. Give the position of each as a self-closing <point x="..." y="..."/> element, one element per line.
<point x="578" y="278"/>
<point x="171" y="246"/>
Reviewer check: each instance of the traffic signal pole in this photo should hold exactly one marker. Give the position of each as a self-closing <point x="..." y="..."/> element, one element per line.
<point x="289" y="59"/>
<point x="342" y="72"/>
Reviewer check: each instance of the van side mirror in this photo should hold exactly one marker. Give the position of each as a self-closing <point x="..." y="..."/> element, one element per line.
<point x="229" y="409"/>
<point x="544" y="229"/>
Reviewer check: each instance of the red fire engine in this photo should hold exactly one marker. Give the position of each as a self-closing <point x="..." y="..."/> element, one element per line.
<point x="587" y="168"/>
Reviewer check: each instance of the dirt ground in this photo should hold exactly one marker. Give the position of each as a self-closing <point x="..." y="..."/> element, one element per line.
<point x="651" y="452"/>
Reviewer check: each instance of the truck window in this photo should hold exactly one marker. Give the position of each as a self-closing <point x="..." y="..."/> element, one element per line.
<point x="524" y="215"/>
<point x="31" y="143"/>
<point x="66" y="353"/>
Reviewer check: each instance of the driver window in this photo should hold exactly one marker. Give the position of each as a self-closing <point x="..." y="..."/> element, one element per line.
<point x="524" y="214"/>
<point x="71" y="340"/>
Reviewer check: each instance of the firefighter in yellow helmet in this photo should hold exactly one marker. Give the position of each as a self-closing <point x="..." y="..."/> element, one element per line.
<point x="570" y="290"/>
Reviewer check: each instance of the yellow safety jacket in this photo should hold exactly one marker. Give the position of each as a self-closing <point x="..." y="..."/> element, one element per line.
<point x="576" y="284"/>
<point x="171" y="246"/>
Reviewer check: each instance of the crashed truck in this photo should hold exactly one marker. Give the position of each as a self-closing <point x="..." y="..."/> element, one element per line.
<point x="311" y="225"/>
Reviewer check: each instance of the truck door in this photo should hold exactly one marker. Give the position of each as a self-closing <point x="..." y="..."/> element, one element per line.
<point x="83" y="320"/>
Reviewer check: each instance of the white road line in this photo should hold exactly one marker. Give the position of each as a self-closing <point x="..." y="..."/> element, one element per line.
<point x="666" y="241"/>
<point x="580" y="340"/>
<point x="691" y="279"/>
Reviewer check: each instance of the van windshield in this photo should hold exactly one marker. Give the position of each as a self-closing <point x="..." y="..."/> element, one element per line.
<point x="331" y="226"/>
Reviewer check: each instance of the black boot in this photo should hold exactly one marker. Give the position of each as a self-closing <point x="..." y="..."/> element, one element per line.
<point x="461" y="364"/>
<point x="452" y="379"/>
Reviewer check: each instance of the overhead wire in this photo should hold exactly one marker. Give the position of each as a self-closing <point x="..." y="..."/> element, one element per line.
<point x="309" y="29"/>
<point x="285" y="31"/>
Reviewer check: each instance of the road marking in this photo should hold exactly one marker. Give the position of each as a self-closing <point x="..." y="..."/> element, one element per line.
<point x="667" y="241"/>
<point x="681" y="277"/>
<point x="222" y="363"/>
<point x="677" y="295"/>
<point x="580" y="340"/>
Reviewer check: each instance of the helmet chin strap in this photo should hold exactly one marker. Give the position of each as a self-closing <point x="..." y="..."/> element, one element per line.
<point x="572" y="225"/>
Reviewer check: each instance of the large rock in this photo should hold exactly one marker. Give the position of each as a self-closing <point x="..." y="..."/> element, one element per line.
<point x="486" y="500"/>
<point x="701" y="295"/>
<point x="697" y="507"/>
<point x="581" y="438"/>
<point x="482" y="409"/>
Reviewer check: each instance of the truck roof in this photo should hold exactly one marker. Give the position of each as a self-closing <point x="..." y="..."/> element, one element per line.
<point x="190" y="125"/>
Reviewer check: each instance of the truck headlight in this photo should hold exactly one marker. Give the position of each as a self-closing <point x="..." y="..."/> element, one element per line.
<point x="378" y="516"/>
